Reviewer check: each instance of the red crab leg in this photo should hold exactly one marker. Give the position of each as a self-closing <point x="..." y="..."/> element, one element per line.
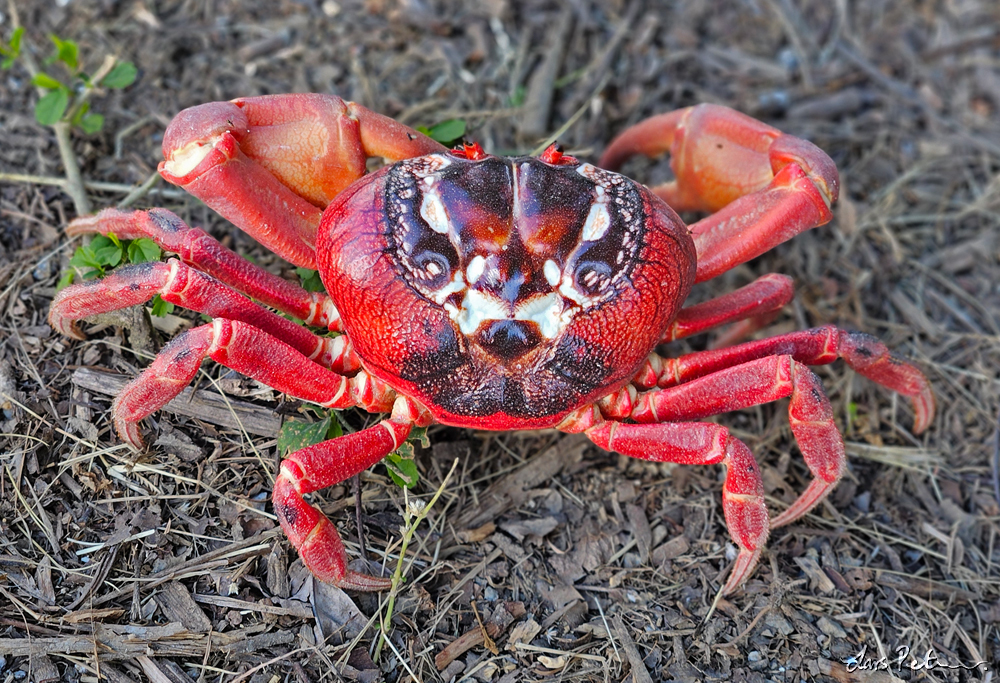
<point x="200" y="250"/>
<point x="762" y="381"/>
<point x="270" y="164"/>
<point x="317" y="467"/>
<point x="864" y="353"/>
<point x="758" y="301"/>
<point x="702" y="443"/>
<point x="184" y="286"/>
<point x="765" y="186"/>
<point x="250" y="351"/>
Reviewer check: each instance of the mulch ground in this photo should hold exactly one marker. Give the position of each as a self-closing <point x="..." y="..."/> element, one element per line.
<point x="577" y="564"/>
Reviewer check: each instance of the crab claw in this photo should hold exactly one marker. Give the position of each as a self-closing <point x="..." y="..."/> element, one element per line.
<point x="271" y="164"/>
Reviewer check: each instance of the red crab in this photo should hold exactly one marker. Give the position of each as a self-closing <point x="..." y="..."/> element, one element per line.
<point x="491" y="293"/>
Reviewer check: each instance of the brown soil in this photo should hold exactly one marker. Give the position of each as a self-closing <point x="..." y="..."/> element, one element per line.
<point x="580" y="565"/>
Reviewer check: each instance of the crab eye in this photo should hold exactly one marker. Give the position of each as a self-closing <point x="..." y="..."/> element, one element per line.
<point x="592" y="277"/>
<point x="433" y="268"/>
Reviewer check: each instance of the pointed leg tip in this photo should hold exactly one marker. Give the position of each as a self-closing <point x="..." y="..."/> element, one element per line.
<point x="817" y="491"/>
<point x="923" y="410"/>
<point x="745" y="563"/>
<point x="364" y="583"/>
<point x="129" y="433"/>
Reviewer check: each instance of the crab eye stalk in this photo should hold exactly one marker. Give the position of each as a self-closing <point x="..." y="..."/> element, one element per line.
<point x="592" y="277"/>
<point x="433" y="268"/>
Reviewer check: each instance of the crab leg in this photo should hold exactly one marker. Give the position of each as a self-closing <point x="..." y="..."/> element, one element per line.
<point x="250" y="351"/>
<point x="317" y="467"/>
<point x="198" y="249"/>
<point x="760" y="301"/>
<point x="184" y="286"/>
<point x="271" y="164"/>
<point x="762" y="381"/>
<point x="765" y="186"/>
<point x="865" y="354"/>
<point x="702" y="443"/>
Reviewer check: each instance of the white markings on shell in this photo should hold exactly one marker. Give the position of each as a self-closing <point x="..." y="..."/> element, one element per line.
<point x="597" y="223"/>
<point x="547" y="311"/>
<point x="552" y="272"/>
<point x="422" y="167"/>
<point x="432" y="210"/>
<point x="476" y="308"/>
<point x="457" y="284"/>
<point x="475" y="269"/>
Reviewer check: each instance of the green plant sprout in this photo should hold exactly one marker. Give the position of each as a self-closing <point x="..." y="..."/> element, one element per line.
<point x="447" y="132"/>
<point x="103" y="252"/>
<point x="67" y="95"/>
<point x="414" y="512"/>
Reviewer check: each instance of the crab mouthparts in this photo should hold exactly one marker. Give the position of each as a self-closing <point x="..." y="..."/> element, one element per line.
<point x="508" y="340"/>
<point x="548" y="312"/>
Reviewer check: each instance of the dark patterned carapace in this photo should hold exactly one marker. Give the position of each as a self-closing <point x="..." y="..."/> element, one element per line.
<point x="524" y="288"/>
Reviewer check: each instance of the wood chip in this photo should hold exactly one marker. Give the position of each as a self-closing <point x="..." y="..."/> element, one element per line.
<point x="513" y="489"/>
<point x="639" y="672"/>
<point x="818" y="580"/>
<point x="503" y="616"/>
<point x="43" y="670"/>
<point x="640" y="528"/>
<point x="178" y="606"/>
<point x="670" y="550"/>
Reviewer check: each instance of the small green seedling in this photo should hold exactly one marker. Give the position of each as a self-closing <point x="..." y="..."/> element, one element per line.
<point x="69" y="89"/>
<point x="309" y="279"/>
<point x="104" y="252"/>
<point x="447" y="132"/>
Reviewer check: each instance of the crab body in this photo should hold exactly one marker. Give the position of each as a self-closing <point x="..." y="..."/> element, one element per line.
<point x="491" y="293"/>
<point x="503" y="293"/>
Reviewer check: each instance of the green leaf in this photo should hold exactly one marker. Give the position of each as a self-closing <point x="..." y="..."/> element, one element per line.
<point x="309" y="279"/>
<point x="296" y="434"/>
<point x="109" y="256"/>
<point x="43" y="80"/>
<point x="79" y="113"/>
<point x="106" y="250"/>
<point x="67" y="52"/>
<point x="84" y="257"/>
<point x="402" y="470"/>
<point x="445" y="132"/>
<point x="161" y="307"/>
<point x="92" y="123"/>
<point x="15" y="40"/>
<point x="51" y="107"/>
<point x="143" y="250"/>
<point x="419" y="434"/>
<point x="121" y="76"/>
<point x="66" y="280"/>
<point x="13" y="51"/>
<point x="336" y="429"/>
